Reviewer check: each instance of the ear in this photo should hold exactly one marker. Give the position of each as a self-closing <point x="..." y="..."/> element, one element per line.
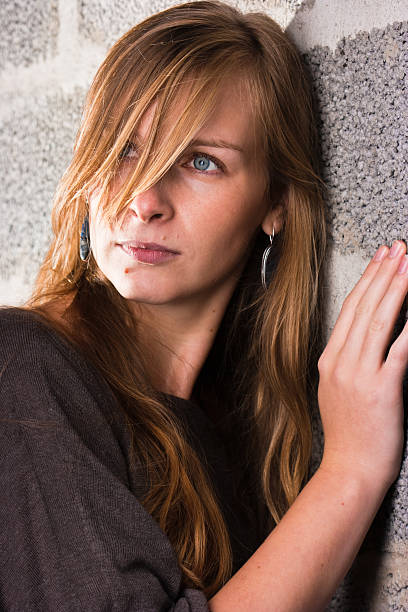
<point x="273" y="220"/>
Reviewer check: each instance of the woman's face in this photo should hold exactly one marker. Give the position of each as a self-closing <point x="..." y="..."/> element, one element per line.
<point x="189" y="235"/>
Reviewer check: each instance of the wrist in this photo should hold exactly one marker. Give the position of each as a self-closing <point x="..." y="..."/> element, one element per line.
<point x="356" y="477"/>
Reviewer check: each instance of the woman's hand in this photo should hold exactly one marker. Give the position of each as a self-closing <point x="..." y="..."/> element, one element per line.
<point x="304" y="558"/>
<point x="360" y="390"/>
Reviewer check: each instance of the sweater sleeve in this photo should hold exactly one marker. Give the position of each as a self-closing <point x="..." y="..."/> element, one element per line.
<point x="73" y="534"/>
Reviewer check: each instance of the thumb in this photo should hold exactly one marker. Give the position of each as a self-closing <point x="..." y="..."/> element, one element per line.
<point x="397" y="358"/>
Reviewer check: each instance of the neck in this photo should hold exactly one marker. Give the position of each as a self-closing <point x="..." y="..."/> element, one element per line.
<point x="177" y="338"/>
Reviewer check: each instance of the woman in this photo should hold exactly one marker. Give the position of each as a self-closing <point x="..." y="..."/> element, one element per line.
<point x="154" y="390"/>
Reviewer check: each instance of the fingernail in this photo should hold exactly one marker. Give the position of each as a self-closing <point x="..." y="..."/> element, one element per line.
<point x="395" y="249"/>
<point x="403" y="267"/>
<point x="380" y="254"/>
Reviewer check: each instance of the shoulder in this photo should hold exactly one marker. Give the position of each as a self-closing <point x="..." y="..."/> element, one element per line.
<point x="26" y="333"/>
<point x="53" y="398"/>
<point x="38" y="367"/>
<point x="28" y="338"/>
<point x="27" y="344"/>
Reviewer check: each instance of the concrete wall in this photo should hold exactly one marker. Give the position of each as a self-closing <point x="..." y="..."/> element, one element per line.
<point x="357" y="52"/>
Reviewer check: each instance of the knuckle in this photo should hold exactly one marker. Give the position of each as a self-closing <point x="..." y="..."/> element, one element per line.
<point x="397" y="358"/>
<point x="325" y="362"/>
<point x="376" y="325"/>
<point x="322" y="363"/>
<point x="361" y="310"/>
<point x="341" y="375"/>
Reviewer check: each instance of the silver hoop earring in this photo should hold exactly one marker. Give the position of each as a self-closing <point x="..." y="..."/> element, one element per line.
<point x="265" y="258"/>
<point x="84" y="246"/>
<point x="84" y="240"/>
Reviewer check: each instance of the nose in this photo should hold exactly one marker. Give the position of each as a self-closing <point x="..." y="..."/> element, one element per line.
<point x="151" y="204"/>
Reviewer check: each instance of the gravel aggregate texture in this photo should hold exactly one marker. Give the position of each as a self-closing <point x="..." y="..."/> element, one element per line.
<point x="361" y="93"/>
<point x="29" y="30"/>
<point x="37" y="141"/>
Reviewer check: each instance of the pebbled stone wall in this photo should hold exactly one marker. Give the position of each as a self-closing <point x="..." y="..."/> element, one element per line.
<point x="360" y="83"/>
<point x="36" y="142"/>
<point x="362" y="95"/>
<point x="28" y="31"/>
<point x="357" y="56"/>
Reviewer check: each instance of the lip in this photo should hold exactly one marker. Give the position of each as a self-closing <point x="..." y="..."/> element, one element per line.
<point x="147" y="252"/>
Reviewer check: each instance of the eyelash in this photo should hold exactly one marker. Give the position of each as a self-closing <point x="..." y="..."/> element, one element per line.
<point x="196" y="154"/>
<point x="130" y="146"/>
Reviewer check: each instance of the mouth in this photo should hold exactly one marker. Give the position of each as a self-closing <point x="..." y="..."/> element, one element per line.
<point x="147" y="252"/>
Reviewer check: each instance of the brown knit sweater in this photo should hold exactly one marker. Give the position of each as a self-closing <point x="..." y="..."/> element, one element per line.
<point x="73" y="534"/>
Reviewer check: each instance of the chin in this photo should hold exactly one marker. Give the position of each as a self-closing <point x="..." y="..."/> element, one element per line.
<point x="149" y="294"/>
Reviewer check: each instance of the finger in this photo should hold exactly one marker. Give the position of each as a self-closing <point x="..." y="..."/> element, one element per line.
<point x="383" y="320"/>
<point x="365" y="311"/>
<point x="346" y="315"/>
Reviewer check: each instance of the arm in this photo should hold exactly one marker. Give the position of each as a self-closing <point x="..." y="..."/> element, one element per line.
<point x="300" y="564"/>
<point x="302" y="561"/>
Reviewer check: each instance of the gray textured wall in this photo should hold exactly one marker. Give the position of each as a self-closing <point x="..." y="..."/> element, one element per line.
<point x="357" y="53"/>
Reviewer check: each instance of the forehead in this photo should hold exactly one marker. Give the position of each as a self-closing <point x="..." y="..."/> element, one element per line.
<point x="230" y="120"/>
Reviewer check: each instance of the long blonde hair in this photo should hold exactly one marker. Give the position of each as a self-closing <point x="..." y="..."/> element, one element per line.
<point x="193" y="48"/>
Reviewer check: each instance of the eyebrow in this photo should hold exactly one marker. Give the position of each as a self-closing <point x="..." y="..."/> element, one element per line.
<point x="219" y="144"/>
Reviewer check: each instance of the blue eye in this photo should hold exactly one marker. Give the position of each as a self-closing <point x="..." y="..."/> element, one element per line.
<point x="203" y="163"/>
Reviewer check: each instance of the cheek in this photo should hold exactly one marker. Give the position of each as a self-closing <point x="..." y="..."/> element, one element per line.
<point x="99" y="232"/>
<point x="229" y="237"/>
<point x="101" y="236"/>
<point x="243" y="217"/>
